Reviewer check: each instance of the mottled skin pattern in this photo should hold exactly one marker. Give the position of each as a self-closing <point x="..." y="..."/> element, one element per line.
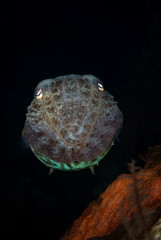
<point x="74" y="122"/>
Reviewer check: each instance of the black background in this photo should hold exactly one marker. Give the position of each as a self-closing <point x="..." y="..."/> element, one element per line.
<point x="118" y="42"/>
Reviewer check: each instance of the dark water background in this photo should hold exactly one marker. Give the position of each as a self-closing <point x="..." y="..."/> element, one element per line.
<point x="121" y="44"/>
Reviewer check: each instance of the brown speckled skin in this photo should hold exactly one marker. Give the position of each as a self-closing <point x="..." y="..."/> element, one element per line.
<point x="74" y="121"/>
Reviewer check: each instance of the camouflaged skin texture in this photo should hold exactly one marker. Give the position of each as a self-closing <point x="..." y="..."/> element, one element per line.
<point x="74" y="120"/>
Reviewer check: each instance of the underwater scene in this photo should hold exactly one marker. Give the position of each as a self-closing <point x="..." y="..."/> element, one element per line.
<point x="81" y="121"/>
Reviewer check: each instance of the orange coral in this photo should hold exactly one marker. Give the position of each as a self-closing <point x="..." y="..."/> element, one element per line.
<point x="105" y="214"/>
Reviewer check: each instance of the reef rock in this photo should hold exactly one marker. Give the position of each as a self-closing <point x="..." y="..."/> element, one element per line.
<point x="130" y="193"/>
<point x="152" y="157"/>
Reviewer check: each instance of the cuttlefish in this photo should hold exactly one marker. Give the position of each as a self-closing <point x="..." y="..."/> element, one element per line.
<point x="72" y="122"/>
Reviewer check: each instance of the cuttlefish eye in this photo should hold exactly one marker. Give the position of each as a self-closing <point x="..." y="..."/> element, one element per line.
<point x="39" y="94"/>
<point x="100" y="87"/>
